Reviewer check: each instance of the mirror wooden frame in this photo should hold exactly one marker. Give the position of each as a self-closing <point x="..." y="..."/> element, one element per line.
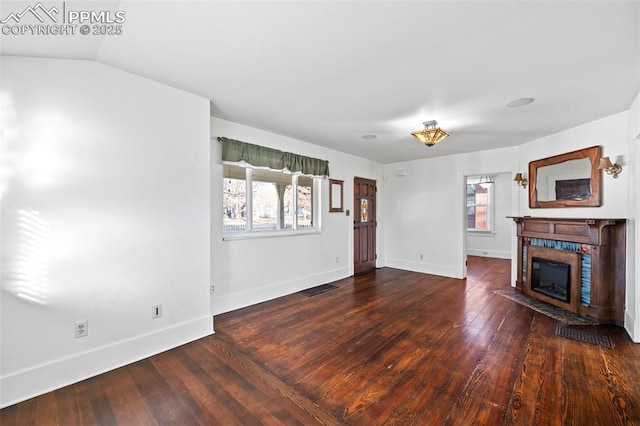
<point x="336" y="195"/>
<point x="593" y="154"/>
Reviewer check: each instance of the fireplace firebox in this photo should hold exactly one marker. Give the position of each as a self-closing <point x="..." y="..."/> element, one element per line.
<point x="551" y="278"/>
<point x="554" y="277"/>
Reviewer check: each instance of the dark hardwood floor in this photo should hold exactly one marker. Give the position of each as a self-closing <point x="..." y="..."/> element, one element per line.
<point x="388" y="347"/>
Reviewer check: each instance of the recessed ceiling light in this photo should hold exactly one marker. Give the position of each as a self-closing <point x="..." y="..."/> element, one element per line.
<point x="520" y="102"/>
<point x="369" y="136"/>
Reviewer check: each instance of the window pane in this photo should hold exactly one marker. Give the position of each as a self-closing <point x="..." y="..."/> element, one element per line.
<point x="478" y="207"/>
<point x="305" y="202"/>
<point x="481" y="221"/>
<point x="234" y="201"/>
<point x="269" y="206"/>
<point x="471" y="217"/>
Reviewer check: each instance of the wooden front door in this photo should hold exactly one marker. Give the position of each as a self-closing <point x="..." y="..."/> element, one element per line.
<point x="364" y="225"/>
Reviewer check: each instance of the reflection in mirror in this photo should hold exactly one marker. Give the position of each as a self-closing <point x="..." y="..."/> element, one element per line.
<point x="335" y="195"/>
<point x="569" y="180"/>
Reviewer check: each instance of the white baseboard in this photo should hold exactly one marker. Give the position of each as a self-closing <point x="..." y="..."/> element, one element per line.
<point x="243" y="299"/>
<point x="632" y="326"/>
<point x="426" y="268"/>
<point x="21" y="385"/>
<point x="489" y="253"/>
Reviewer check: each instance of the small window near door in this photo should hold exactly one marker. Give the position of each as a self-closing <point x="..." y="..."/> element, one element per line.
<point x="480" y="203"/>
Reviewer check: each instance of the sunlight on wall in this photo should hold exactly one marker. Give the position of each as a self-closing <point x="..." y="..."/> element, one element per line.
<point x="33" y="154"/>
<point x="41" y="165"/>
<point x="28" y="273"/>
<point x="30" y="161"/>
<point x="8" y="132"/>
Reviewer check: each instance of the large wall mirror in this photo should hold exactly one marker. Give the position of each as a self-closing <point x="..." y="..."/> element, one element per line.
<point x="566" y="180"/>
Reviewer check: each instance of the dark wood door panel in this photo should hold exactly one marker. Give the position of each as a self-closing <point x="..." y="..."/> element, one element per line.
<point x="357" y="253"/>
<point x="364" y="225"/>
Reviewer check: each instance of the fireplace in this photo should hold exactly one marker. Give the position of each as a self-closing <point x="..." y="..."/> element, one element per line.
<point x="554" y="277"/>
<point x="551" y="278"/>
<point x="594" y="252"/>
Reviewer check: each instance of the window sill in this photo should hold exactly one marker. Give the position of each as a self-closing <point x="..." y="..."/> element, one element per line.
<point x="267" y="234"/>
<point x="481" y="233"/>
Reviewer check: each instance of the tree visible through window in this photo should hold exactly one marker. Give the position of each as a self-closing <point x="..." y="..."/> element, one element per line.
<point x="234" y="199"/>
<point x="305" y="202"/>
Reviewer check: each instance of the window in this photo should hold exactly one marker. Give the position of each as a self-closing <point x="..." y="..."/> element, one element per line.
<point x="479" y="204"/>
<point x="275" y="200"/>
<point x="234" y="199"/>
<point x="305" y="202"/>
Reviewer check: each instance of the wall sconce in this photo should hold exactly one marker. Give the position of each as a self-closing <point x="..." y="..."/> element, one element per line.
<point x="521" y="181"/>
<point x="611" y="169"/>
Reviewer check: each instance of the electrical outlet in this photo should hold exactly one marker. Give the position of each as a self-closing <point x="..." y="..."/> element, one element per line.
<point x="421" y="257"/>
<point x="213" y="288"/>
<point x="156" y="311"/>
<point x="337" y="259"/>
<point x="81" y="329"/>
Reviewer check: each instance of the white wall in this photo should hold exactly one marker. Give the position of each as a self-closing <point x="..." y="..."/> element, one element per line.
<point x="105" y="213"/>
<point x="249" y="271"/>
<point x="632" y="313"/>
<point x="498" y="242"/>
<point x="425" y="209"/>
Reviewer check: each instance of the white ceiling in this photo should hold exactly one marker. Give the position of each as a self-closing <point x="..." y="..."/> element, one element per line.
<point x="329" y="72"/>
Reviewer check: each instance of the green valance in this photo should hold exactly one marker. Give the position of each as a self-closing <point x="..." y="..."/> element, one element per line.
<point x="234" y="151"/>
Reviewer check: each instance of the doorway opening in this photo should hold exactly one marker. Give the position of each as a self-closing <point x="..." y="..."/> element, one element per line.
<point x="489" y="200"/>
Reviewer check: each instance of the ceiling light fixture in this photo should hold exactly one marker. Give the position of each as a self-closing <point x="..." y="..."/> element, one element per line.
<point x="431" y="135"/>
<point x="486" y="181"/>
